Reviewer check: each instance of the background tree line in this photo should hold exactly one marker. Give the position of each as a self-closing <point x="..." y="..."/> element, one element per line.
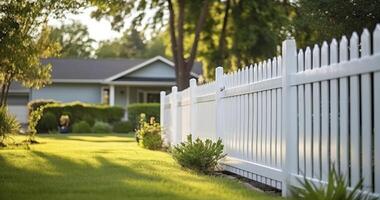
<point x="228" y="33"/>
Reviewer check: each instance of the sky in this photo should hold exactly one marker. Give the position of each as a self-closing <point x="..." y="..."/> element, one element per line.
<point x="98" y="30"/>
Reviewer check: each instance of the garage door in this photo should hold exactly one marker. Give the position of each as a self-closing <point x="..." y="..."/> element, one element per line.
<point x="17" y="105"/>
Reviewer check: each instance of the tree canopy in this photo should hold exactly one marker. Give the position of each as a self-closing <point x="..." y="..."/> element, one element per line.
<point x="74" y="40"/>
<point x="24" y="40"/>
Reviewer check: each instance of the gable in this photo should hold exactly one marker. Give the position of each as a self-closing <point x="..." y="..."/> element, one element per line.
<point x="157" y="69"/>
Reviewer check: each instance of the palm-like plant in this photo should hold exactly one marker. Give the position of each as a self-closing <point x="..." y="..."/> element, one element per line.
<point x="8" y="124"/>
<point x="335" y="189"/>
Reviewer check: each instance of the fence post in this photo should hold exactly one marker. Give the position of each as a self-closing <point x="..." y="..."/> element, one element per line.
<point x="162" y="113"/>
<point x="193" y="107"/>
<point x="174" y="108"/>
<point x="289" y="116"/>
<point x="219" y="107"/>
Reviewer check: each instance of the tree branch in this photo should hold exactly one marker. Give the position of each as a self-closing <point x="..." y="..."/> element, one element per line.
<point x="198" y="28"/>
<point x="222" y="39"/>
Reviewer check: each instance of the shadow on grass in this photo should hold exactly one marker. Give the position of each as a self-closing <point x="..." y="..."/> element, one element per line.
<point x="81" y="180"/>
<point x="105" y="180"/>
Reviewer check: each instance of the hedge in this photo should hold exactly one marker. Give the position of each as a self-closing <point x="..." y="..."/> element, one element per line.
<point x="78" y="111"/>
<point x="150" y="110"/>
<point x="35" y="104"/>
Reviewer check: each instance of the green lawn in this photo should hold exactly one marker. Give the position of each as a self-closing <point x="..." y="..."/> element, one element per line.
<point x="105" y="167"/>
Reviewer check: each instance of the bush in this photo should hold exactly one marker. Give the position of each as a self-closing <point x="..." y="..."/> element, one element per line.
<point x="149" y="109"/>
<point x="336" y="188"/>
<point x="35" y="104"/>
<point x="83" y="112"/>
<point x="202" y="156"/>
<point x="81" y="127"/>
<point x="101" y="127"/>
<point x="149" y="134"/>
<point x="8" y="124"/>
<point x="48" y="122"/>
<point x="122" y="127"/>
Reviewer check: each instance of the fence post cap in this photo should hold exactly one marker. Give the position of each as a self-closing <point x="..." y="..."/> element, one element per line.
<point x="193" y="82"/>
<point x="174" y="89"/>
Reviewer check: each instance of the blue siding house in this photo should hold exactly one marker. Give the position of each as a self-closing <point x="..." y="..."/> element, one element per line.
<point x="117" y="82"/>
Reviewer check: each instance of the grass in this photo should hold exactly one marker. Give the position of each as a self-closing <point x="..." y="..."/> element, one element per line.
<point x="106" y="167"/>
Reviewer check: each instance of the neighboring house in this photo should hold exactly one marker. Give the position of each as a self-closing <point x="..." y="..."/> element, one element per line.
<point x="116" y="82"/>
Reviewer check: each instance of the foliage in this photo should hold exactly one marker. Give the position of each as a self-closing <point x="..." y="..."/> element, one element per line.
<point x="8" y="124"/>
<point x="34" y="118"/>
<point x="319" y="20"/>
<point x="199" y="155"/>
<point x="48" y="122"/>
<point x="101" y="127"/>
<point x="336" y="189"/>
<point x="154" y="15"/>
<point x="82" y="111"/>
<point x="35" y="104"/>
<point x="24" y="41"/>
<point x="81" y="127"/>
<point x="123" y="127"/>
<point x="130" y="45"/>
<point x="74" y="40"/>
<point x="149" y="134"/>
<point x="149" y="109"/>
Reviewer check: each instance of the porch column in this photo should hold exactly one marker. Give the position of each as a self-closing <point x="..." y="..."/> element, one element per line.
<point x="112" y="95"/>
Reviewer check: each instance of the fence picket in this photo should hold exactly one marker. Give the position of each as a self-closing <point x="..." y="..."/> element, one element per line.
<point x="354" y="115"/>
<point x="344" y="111"/>
<point x="308" y="119"/>
<point x="316" y="118"/>
<point x="301" y="118"/>
<point x="376" y="84"/>
<point x="334" y="106"/>
<point x="366" y="116"/>
<point x="325" y="158"/>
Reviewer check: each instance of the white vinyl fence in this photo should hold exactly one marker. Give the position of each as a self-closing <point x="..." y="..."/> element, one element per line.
<point x="291" y="116"/>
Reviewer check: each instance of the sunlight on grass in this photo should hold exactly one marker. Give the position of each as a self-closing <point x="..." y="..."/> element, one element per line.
<point x="105" y="167"/>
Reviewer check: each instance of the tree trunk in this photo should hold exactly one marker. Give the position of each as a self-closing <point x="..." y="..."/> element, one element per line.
<point x="183" y="67"/>
<point x="222" y="40"/>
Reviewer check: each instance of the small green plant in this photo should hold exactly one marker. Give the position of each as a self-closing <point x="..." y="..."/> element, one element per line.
<point x="101" y="127"/>
<point x="149" y="134"/>
<point x="336" y="189"/>
<point x="199" y="155"/>
<point x="8" y="125"/>
<point x="81" y="127"/>
<point x="122" y="127"/>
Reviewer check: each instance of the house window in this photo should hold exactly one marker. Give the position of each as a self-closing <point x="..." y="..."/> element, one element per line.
<point x="148" y="96"/>
<point x="105" y="95"/>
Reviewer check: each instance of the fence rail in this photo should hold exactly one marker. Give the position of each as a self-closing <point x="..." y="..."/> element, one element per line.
<point x="292" y="116"/>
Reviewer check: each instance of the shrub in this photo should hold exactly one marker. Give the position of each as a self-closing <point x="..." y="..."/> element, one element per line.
<point x="101" y="127"/>
<point x="89" y="120"/>
<point x="8" y="124"/>
<point x="336" y="188"/>
<point x="48" y="122"/>
<point x="202" y="156"/>
<point x="122" y="127"/>
<point x="81" y="127"/>
<point x="149" y="134"/>
<point x="83" y="112"/>
<point x="149" y="109"/>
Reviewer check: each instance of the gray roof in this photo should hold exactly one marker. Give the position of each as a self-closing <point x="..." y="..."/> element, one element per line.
<point x="95" y="69"/>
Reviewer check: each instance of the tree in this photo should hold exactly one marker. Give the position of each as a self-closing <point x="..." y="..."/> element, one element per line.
<point x="131" y="45"/>
<point x="22" y="43"/>
<point x="74" y="40"/>
<point x="194" y="13"/>
<point x="239" y="33"/>
<point x="319" y="20"/>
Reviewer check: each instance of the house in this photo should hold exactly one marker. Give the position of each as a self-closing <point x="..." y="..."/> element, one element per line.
<point x="117" y="82"/>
